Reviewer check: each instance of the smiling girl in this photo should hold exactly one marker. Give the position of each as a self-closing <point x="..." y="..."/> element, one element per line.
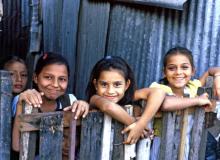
<point x="178" y="69"/>
<point x="111" y="86"/>
<point x="50" y="83"/>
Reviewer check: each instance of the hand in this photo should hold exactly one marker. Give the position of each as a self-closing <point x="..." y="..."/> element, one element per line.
<point x="31" y="97"/>
<point x="81" y="108"/>
<point x="205" y="102"/>
<point x="135" y="131"/>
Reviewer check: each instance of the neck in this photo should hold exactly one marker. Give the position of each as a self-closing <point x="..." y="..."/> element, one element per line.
<point x="178" y="92"/>
<point x="48" y="105"/>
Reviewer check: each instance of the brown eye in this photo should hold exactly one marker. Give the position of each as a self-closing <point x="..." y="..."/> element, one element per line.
<point x="63" y="79"/>
<point x="171" y="68"/>
<point x="117" y="84"/>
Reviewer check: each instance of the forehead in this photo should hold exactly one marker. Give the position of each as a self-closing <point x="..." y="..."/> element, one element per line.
<point x="18" y="66"/>
<point x="112" y="74"/>
<point x="178" y="59"/>
<point x="55" y="69"/>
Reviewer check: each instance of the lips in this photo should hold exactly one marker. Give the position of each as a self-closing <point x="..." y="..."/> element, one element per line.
<point x="18" y="86"/>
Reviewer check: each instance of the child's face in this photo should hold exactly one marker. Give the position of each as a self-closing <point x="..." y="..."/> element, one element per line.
<point x="178" y="71"/>
<point x="52" y="80"/>
<point x="19" y="76"/>
<point x="111" y="85"/>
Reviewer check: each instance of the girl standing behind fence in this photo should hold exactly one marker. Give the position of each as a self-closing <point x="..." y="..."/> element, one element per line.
<point x="50" y="82"/>
<point x="178" y="70"/>
<point x="19" y="75"/>
<point x="112" y="85"/>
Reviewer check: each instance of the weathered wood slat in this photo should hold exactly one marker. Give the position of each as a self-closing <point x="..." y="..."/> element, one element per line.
<point x="28" y="139"/>
<point x="72" y="137"/>
<point x="51" y="137"/>
<point x="91" y="133"/>
<point x="167" y="140"/>
<point x="106" y="138"/>
<point x="198" y="128"/>
<point x="31" y="122"/>
<point x="118" y="146"/>
<point x="129" y="150"/>
<point x="5" y="112"/>
<point x="199" y="132"/>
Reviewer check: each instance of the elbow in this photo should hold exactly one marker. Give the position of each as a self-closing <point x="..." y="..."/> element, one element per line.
<point x="159" y="92"/>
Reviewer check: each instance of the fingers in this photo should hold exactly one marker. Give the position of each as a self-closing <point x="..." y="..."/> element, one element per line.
<point x="125" y="130"/>
<point x="80" y="108"/>
<point x="31" y="97"/>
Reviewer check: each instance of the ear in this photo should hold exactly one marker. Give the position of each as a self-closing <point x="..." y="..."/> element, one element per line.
<point x="127" y="84"/>
<point x="35" y="78"/>
<point x="95" y="83"/>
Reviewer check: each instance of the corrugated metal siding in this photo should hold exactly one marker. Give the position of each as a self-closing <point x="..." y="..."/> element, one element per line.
<point x="142" y="35"/>
<point x="92" y="35"/>
<point x="13" y="38"/>
<point x="60" y="22"/>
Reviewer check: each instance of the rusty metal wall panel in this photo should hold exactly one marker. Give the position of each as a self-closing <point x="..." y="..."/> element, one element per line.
<point x="92" y="35"/>
<point x="142" y="35"/>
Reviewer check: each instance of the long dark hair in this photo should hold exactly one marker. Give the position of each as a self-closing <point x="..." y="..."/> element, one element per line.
<point x="106" y="64"/>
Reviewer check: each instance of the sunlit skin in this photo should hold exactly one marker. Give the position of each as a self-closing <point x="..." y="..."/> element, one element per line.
<point x="178" y="72"/>
<point x="111" y="85"/>
<point x="52" y="81"/>
<point x="19" y="77"/>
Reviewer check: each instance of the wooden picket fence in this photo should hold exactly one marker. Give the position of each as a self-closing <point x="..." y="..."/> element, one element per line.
<point x="101" y="137"/>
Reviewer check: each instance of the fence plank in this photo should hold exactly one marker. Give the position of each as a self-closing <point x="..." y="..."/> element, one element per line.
<point x="91" y="133"/>
<point x="118" y="146"/>
<point x="199" y="132"/>
<point x="167" y="140"/>
<point x="5" y="112"/>
<point x="51" y="137"/>
<point x="28" y="139"/>
<point x="72" y="138"/>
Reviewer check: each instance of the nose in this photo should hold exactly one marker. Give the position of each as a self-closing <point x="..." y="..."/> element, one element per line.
<point x="110" y="89"/>
<point x="178" y="70"/>
<point x="18" y="77"/>
<point x="55" y="83"/>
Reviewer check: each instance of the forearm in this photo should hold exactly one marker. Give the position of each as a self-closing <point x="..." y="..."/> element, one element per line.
<point x="15" y="131"/>
<point x="213" y="71"/>
<point x="154" y="101"/>
<point x="174" y="103"/>
<point x="112" y="109"/>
